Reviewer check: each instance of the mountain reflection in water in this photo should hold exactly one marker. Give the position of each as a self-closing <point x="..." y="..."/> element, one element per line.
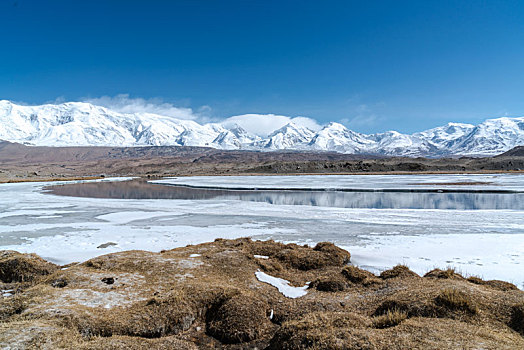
<point x="140" y="189"/>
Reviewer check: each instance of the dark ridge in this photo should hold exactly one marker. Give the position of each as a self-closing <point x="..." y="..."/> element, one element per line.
<point x="514" y="152"/>
<point x="31" y="163"/>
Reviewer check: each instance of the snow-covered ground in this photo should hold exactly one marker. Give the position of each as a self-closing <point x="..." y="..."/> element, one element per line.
<point x="487" y="243"/>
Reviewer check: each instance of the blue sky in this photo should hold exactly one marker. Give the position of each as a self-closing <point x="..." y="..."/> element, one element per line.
<point x="374" y="65"/>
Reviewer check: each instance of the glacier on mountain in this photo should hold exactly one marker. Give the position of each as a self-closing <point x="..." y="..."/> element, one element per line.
<point x="84" y="124"/>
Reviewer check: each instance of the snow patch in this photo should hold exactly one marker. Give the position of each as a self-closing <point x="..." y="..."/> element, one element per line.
<point x="6" y="292"/>
<point x="93" y="298"/>
<point x="282" y="285"/>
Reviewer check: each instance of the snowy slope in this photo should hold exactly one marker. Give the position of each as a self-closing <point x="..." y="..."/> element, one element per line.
<point x="336" y="137"/>
<point x="491" y="137"/>
<point x="444" y="139"/>
<point x="290" y="136"/>
<point x="396" y="144"/>
<point x="84" y="124"/>
<point x="234" y="138"/>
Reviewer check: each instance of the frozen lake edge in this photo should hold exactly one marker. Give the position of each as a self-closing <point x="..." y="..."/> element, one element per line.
<point x="487" y="243"/>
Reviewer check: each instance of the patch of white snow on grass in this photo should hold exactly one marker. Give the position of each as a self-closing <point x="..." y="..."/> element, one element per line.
<point x="282" y="285"/>
<point x="7" y="292"/>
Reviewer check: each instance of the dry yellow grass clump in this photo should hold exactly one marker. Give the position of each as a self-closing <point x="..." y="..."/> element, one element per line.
<point x="207" y="296"/>
<point x="389" y="319"/>
<point x="16" y="267"/>
<point x="456" y="300"/>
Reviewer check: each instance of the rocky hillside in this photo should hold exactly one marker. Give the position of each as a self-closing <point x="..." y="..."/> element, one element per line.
<point x="243" y="294"/>
<point x="31" y="163"/>
<point x="514" y="152"/>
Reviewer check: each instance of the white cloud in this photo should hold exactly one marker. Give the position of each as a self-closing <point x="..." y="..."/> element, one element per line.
<point x="364" y="119"/>
<point x="307" y="122"/>
<point x="361" y="121"/>
<point x="258" y="124"/>
<point x="264" y="124"/>
<point x="124" y="104"/>
<point x="58" y="100"/>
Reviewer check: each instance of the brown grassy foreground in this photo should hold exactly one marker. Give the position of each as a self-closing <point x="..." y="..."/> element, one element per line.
<point x="207" y="296"/>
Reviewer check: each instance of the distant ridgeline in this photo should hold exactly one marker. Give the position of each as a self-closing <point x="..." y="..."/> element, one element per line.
<point x="84" y="124"/>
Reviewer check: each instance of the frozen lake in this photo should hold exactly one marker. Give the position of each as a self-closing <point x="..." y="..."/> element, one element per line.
<point x="486" y="240"/>
<point x="390" y="198"/>
<point x="446" y="183"/>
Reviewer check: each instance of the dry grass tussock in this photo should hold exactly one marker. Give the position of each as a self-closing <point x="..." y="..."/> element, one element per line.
<point x="207" y="296"/>
<point x="359" y="276"/>
<point x="496" y="284"/>
<point x="449" y="273"/>
<point x="389" y="319"/>
<point x="16" y="267"/>
<point x="401" y="271"/>
<point x="456" y="300"/>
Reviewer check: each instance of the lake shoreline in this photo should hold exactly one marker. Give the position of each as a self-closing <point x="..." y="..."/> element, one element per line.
<point x="484" y="241"/>
<point x="8" y="177"/>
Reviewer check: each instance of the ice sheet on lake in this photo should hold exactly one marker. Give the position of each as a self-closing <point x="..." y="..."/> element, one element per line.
<point x="488" y="243"/>
<point x="489" y="256"/>
<point x="282" y="285"/>
<point x="495" y="182"/>
<point x="126" y="217"/>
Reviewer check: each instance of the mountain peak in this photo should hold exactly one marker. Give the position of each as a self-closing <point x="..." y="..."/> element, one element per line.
<point x="335" y="125"/>
<point x="291" y="128"/>
<point x="84" y="124"/>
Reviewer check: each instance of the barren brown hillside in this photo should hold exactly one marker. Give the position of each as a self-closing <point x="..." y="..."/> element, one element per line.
<point x="23" y="163"/>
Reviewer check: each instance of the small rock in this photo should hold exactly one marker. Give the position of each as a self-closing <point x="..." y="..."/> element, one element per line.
<point x="105" y="245"/>
<point x="108" y="280"/>
<point x="59" y="283"/>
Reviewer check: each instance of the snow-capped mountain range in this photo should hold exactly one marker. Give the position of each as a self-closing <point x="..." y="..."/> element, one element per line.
<point x="84" y="124"/>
